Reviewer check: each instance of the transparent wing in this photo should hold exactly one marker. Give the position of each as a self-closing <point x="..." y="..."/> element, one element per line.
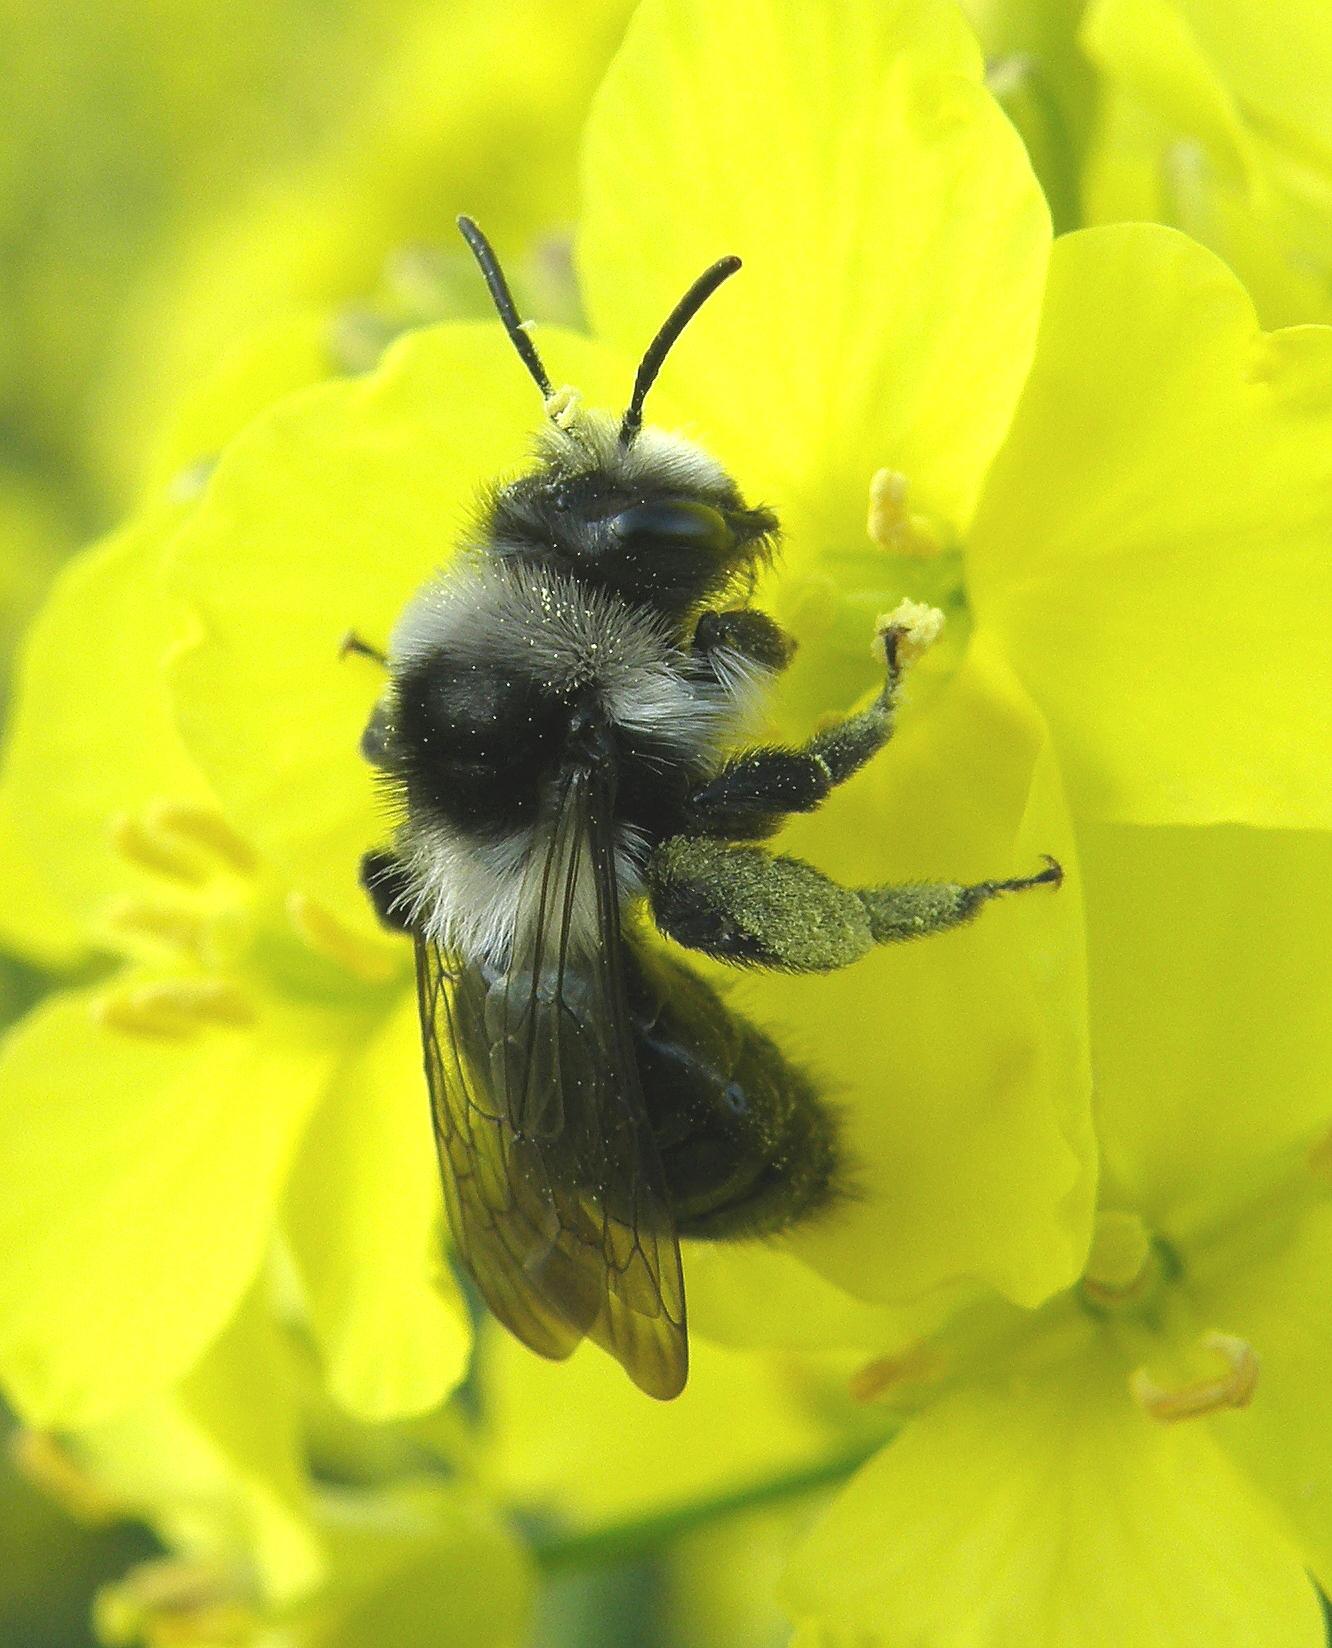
<point x="553" y="1181"/>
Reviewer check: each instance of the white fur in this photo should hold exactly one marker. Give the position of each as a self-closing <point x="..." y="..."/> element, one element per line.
<point x="467" y="891"/>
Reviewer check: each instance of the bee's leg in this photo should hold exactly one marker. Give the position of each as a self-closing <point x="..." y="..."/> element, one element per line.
<point x="731" y="643"/>
<point x="356" y="646"/>
<point x="755" y="790"/>
<point x="385" y="881"/>
<point x="743" y="905"/>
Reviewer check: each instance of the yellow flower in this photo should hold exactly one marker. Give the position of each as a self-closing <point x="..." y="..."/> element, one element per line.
<point x="1214" y="116"/>
<point x="1145" y="1460"/>
<point x="281" y="1521"/>
<point x="246" y="1078"/>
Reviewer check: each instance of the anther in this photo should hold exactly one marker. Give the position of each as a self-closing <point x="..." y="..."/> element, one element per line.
<point x="1232" y="1389"/>
<point x="49" y="1466"/>
<point x="174" y="1008"/>
<point x="171" y="927"/>
<point x="892" y="525"/>
<point x="135" y="841"/>
<point x="175" y="1603"/>
<point x="205" y="827"/>
<point x="913" y="627"/>
<point x="323" y="933"/>
<point x="918" y="1363"/>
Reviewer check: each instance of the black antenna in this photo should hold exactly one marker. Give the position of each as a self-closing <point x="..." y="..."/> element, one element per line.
<point x="484" y="253"/>
<point x="675" y="323"/>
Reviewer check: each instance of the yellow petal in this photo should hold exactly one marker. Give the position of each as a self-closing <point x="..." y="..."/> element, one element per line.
<point x="364" y="1215"/>
<point x="1151" y="549"/>
<point x="144" y="1173"/>
<point x="1269" y="1283"/>
<point x="1048" y="1514"/>
<point x="1211" y="1029"/>
<point x="894" y="241"/>
<point x="216" y="1464"/>
<point x="957" y="1062"/>
<point x="577" y="1439"/>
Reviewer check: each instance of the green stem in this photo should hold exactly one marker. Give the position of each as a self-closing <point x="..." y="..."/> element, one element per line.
<point x="642" y="1536"/>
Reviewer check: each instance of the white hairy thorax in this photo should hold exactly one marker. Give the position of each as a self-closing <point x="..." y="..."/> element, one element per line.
<point x="469" y="892"/>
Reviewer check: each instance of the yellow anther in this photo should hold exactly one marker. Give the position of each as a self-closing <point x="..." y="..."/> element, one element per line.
<point x="54" y="1471"/>
<point x="172" y="927"/>
<point x="203" y="827"/>
<point x="327" y="937"/>
<point x="563" y="407"/>
<point x="174" y="1008"/>
<point x="917" y="627"/>
<point x="135" y="840"/>
<point x="1232" y="1389"/>
<point x="1118" y="1265"/>
<point x="918" y="1363"/>
<point x="892" y="525"/>
<point x="176" y="1604"/>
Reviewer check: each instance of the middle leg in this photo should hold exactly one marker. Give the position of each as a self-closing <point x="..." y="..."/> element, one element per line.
<point x="756" y="789"/>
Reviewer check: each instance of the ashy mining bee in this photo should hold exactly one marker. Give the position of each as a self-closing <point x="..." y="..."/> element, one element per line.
<point x="558" y="737"/>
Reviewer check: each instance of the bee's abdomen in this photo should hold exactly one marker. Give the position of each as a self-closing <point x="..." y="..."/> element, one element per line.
<point x="748" y="1144"/>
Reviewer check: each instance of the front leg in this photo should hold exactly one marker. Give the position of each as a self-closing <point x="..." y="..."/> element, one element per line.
<point x="744" y="906"/>
<point x="385" y="881"/>
<point x="755" y="790"/>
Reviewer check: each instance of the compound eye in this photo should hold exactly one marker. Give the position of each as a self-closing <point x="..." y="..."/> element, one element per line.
<point x="684" y="524"/>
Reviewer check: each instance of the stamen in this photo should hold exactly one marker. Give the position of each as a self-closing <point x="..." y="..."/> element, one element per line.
<point x="174" y="1008"/>
<point x="892" y="525"/>
<point x="1232" y="1389"/>
<point x="328" y="937"/>
<point x="1118" y="1265"/>
<point x="916" y="626"/>
<point x="206" y="827"/>
<point x="917" y="1363"/>
<point x="174" y="928"/>
<point x="53" y="1471"/>
<point x="563" y="407"/>
<point x="176" y="1603"/>
<point x="133" y="840"/>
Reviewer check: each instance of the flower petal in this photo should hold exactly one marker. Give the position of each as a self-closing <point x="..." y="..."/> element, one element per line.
<point x="576" y="1437"/>
<point x="1050" y="1514"/>
<point x="958" y="1063"/>
<point x="364" y="1216"/>
<point x="325" y="516"/>
<point x="92" y="734"/>
<point x="143" y="1176"/>
<point x="422" y="1562"/>
<point x="1151" y="548"/>
<point x="1211" y="990"/>
<point x="216" y="1464"/>
<point x="894" y="238"/>
<point x="1214" y="117"/>
<point x="1270" y="1287"/>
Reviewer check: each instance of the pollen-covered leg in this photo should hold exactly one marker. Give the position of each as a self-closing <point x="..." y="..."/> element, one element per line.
<point x="742" y="905"/>
<point x="755" y="790"/>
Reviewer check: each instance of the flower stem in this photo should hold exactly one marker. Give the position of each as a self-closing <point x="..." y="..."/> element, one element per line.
<point x="638" y="1537"/>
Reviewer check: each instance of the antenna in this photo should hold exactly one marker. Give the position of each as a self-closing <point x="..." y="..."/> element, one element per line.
<point x="484" y="253"/>
<point x="657" y="351"/>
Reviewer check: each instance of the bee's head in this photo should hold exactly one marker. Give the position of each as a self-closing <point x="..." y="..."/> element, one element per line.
<point x="647" y="515"/>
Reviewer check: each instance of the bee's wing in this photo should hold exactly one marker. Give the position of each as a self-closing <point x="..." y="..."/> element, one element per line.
<point x="553" y="1181"/>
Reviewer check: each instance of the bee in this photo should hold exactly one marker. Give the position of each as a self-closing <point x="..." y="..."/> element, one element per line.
<point x="561" y="738"/>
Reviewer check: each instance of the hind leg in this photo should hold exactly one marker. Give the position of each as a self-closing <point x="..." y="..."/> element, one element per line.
<point x="742" y="905"/>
